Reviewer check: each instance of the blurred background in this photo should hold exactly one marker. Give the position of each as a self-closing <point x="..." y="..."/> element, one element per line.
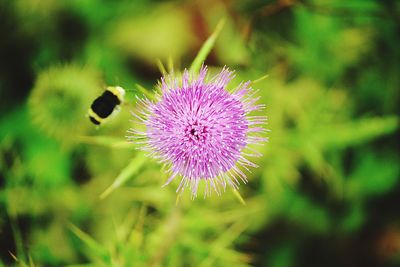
<point x="327" y="191"/>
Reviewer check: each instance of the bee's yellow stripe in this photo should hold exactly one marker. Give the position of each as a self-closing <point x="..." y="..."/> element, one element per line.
<point x="95" y="116"/>
<point x="117" y="91"/>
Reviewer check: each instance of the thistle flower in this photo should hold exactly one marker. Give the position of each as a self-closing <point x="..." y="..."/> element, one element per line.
<point x="59" y="100"/>
<point x="199" y="129"/>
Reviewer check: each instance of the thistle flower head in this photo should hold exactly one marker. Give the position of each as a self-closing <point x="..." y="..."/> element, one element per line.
<point x="199" y="129"/>
<point x="59" y="100"/>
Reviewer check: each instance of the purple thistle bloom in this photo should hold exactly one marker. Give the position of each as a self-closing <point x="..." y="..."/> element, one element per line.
<point x="199" y="129"/>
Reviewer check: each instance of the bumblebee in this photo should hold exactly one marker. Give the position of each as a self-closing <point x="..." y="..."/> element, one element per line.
<point x="106" y="105"/>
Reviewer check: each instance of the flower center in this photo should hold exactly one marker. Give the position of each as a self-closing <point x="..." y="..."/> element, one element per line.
<point x="196" y="132"/>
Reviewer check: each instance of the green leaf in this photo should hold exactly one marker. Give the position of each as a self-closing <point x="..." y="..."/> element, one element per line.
<point x="92" y="244"/>
<point x="358" y="132"/>
<point x="238" y="196"/>
<point x="145" y="92"/>
<point x="206" y="48"/>
<point x="224" y="240"/>
<point x="374" y="175"/>
<point x="127" y="173"/>
<point x="107" y="141"/>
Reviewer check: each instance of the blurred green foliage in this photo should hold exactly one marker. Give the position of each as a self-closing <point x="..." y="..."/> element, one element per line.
<point x="327" y="189"/>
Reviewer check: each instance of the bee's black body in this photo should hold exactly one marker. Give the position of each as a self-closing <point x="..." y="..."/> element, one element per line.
<point x="103" y="106"/>
<point x="94" y="120"/>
